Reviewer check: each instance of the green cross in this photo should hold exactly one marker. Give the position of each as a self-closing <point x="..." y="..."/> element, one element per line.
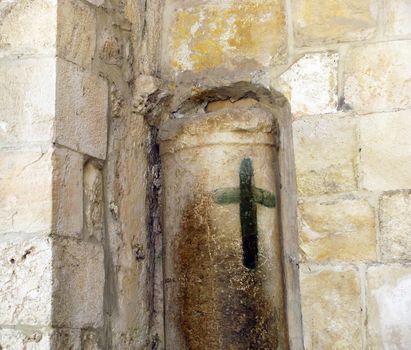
<point x="248" y="196"/>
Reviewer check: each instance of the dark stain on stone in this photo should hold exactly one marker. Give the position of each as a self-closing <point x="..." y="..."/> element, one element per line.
<point x="221" y="303"/>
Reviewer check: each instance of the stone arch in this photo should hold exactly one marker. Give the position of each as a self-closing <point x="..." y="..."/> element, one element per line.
<point x="245" y="95"/>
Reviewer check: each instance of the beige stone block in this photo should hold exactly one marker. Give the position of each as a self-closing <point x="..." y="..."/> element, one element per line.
<point x="389" y="307"/>
<point x="331" y="21"/>
<point x="25" y="191"/>
<point x="385" y="160"/>
<point x="13" y="339"/>
<point x="27" y="100"/>
<point x="25" y="281"/>
<point x="395" y="225"/>
<point x="78" y="276"/>
<point x="230" y="34"/>
<point x="310" y="84"/>
<point x="28" y="27"/>
<point x="397" y="20"/>
<point x="81" y="110"/>
<point x="67" y="192"/>
<point x="340" y="230"/>
<point x="76" y="30"/>
<point x="93" y="202"/>
<point x="325" y="155"/>
<point x="378" y="76"/>
<point x="331" y="308"/>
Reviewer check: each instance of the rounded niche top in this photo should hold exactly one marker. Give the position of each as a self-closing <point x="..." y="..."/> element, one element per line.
<point x="227" y="125"/>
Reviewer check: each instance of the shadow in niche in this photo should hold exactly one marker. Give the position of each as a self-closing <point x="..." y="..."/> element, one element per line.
<point x="248" y="334"/>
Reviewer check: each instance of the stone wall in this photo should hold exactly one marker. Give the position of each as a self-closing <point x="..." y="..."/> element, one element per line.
<point x="83" y="87"/>
<point x="72" y="186"/>
<point x="345" y="68"/>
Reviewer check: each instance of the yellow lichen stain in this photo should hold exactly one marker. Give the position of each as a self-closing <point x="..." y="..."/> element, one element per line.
<point x="210" y="36"/>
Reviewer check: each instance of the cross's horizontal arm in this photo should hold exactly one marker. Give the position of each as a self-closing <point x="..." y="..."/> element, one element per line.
<point x="231" y="195"/>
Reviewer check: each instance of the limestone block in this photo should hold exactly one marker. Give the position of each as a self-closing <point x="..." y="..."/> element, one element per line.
<point x="325" y="155"/>
<point x="81" y="110"/>
<point x="321" y="22"/>
<point x="310" y="84"/>
<point x="13" y="339"/>
<point x="78" y="284"/>
<point x="337" y="231"/>
<point x="395" y="222"/>
<point x="378" y="77"/>
<point x="25" y="191"/>
<point x="331" y="308"/>
<point x="76" y="30"/>
<point x="27" y="100"/>
<point x="93" y="202"/>
<point x="67" y="192"/>
<point x="385" y="161"/>
<point x="25" y="281"/>
<point x="397" y="19"/>
<point x="212" y="34"/>
<point x="389" y="307"/>
<point x="28" y="27"/>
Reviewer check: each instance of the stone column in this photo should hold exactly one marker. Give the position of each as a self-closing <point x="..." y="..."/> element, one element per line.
<point x="223" y="268"/>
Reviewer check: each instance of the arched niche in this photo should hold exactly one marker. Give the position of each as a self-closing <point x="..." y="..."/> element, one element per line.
<point x="229" y="215"/>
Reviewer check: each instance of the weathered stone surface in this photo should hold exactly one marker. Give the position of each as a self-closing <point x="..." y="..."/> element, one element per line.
<point x="310" y="84"/>
<point x="13" y="339"/>
<point x="378" y="76"/>
<point x="63" y="339"/>
<point x="76" y="30"/>
<point x="341" y="230"/>
<point x="25" y="281"/>
<point x="81" y="110"/>
<point x="25" y="191"/>
<point x="389" y="307"/>
<point x="206" y="36"/>
<point x="78" y="280"/>
<point x="67" y="192"/>
<point x="395" y="225"/>
<point x="325" y="155"/>
<point x="96" y="2"/>
<point x="385" y="160"/>
<point x="28" y="27"/>
<point x="331" y="308"/>
<point x="93" y="202"/>
<point x="397" y="19"/>
<point x="204" y="161"/>
<point x="319" y="22"/>
<point x="27" y="100"/>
